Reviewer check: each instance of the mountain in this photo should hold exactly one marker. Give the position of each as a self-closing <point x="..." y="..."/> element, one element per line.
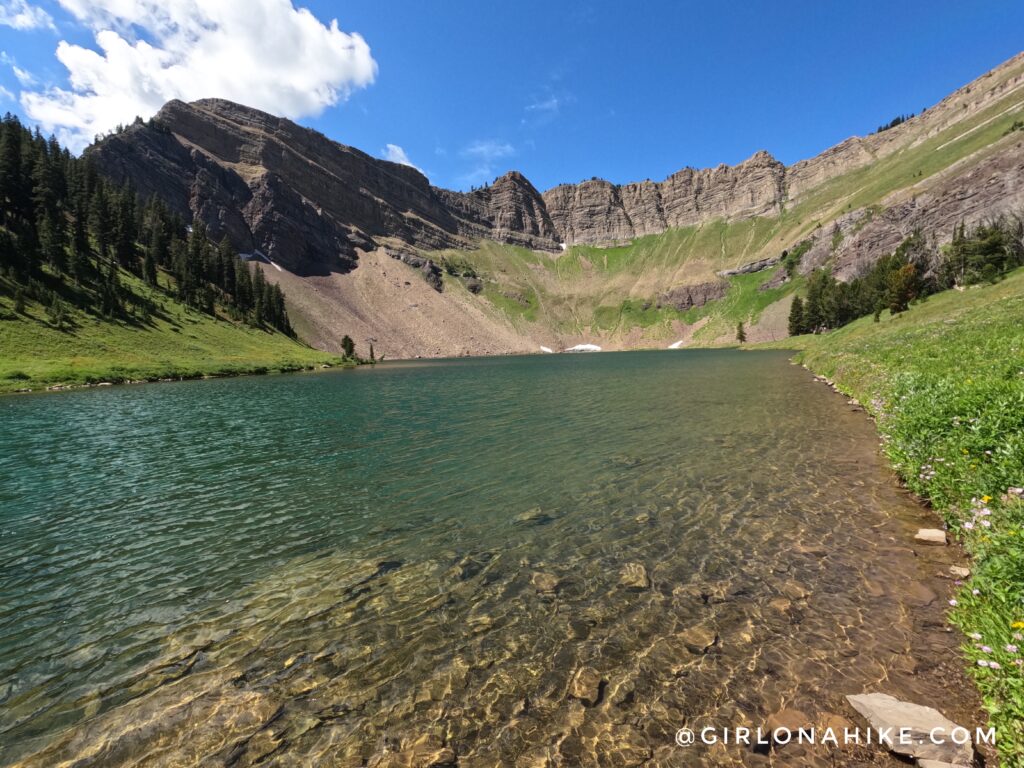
<point x="351" y="237"/>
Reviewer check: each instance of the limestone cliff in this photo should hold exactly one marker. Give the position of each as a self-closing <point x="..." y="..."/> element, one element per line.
<point x="599" y="213"/>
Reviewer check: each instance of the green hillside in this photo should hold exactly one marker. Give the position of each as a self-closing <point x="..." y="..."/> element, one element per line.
<point x="175" y="342"/>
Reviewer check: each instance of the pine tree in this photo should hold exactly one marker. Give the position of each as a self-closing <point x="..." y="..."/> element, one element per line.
<point x="149" y="268"/>
<point x="10" y="163"/>
<point x="373" y="357"/>
<point x="99" y="221"/>
<point x="796" y="317"/>
<point x="51" y="241"/>
<point x="348" y="346"/>
<point x="741" y="334"/>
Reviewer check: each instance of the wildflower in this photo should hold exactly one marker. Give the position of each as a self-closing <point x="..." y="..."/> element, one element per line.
<point x="983" y="663"/>
<point x="1011" y="648"/>
<point x="1017" y="636"/>
<point x="968" y="526"/>
<point x="987" y="523"/>
<point x="994" y="665"/>
<point x="975" y="592"/>
<point x="954" y="603"/>
<point x="1017" y="625"/>
<point x="975" y="635"/>
<point x="986" y="649"/>
<point x="985" y="511"/>
<point x="986" y="498"/>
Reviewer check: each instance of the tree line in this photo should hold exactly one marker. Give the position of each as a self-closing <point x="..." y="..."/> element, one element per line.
<point x="66" y="234"/>
<point x="915" y="270"/>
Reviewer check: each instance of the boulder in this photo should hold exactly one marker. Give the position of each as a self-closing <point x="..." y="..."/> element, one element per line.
<point x="883" y="711"/>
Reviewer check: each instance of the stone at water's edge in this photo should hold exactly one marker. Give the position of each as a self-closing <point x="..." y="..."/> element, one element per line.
<point x="884" y="711"/>
<point x="931" y="536"/>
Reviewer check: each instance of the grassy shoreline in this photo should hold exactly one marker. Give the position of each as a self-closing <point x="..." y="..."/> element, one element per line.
<point x="945" y="383"/>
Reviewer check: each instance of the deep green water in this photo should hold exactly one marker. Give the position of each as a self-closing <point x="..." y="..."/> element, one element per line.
<point x="317" y="569"/>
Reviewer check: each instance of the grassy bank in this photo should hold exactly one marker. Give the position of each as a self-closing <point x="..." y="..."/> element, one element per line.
<point x="175" y="342"/>
<point x="945" y="381"/>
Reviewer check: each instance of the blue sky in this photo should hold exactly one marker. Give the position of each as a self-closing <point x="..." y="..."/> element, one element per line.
<point x="560" y="91"/>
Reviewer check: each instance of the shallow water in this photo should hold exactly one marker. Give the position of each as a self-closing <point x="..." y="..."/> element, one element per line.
<point x="329" y="569"/>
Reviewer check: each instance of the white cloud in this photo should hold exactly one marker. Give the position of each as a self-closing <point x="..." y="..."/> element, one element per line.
<point x="24" y="76"/>
<point x="485" y="154"/>
<point x="267" y="54"/>
<point x="549" y="105"/>
<point x="396" y="154"/>
<point x="6" y="95"/>
<point x="488" y="150"/>
<point x="22" y="16"/>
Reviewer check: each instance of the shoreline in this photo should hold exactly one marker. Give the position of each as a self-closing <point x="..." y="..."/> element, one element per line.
<point x="939" y="383"/>
<point x="120" y="381"/>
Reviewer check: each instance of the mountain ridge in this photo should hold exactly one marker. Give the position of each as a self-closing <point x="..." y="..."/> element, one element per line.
<point x="316" y="208"/>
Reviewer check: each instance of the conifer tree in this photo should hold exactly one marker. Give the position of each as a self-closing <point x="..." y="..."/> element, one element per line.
<point x="348" y="346"/>
<point x="796" y="317"/>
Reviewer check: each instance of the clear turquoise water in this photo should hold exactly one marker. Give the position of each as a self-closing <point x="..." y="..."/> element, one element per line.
<point x="321" y="569"/>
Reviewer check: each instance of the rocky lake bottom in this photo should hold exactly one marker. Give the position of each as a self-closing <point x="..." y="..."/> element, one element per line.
<point x="548" y="560"/>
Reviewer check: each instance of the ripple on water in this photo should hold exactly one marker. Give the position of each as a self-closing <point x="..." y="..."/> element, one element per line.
<point x="514" y="561"/>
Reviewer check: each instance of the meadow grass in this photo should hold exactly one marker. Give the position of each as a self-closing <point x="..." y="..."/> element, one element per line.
<point x="176" y="342"/>
<point x="945" y="381"/>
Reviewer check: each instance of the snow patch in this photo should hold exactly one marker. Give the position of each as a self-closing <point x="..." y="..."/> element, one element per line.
<point x="584" y="348"/>
<point x="677" y="345"/>
<point x="547" y="350"/>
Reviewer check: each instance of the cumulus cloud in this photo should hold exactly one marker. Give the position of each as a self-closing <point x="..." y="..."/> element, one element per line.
<point x="20" y="15"/>
<point x="267" y="54"/>
<point x="396" y="154"/>
<point x="485" y="154"/>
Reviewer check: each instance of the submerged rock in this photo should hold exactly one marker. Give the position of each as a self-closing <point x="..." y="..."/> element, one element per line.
<point x="545" y="583"/>
<point x="634" y="576"/>
<point x="698" y="639"/>
<point x="586" y="686"/>
<point x="791" y="720"/>
<point x="883" y="711"/>
<point x="534" y="516"/>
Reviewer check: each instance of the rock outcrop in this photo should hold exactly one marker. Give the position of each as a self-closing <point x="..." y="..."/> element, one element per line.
<point x="686" y="297"/>
<point x="987" y="188"/>
<point x="306" y="202"/>
<point x="598" y="212"/>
